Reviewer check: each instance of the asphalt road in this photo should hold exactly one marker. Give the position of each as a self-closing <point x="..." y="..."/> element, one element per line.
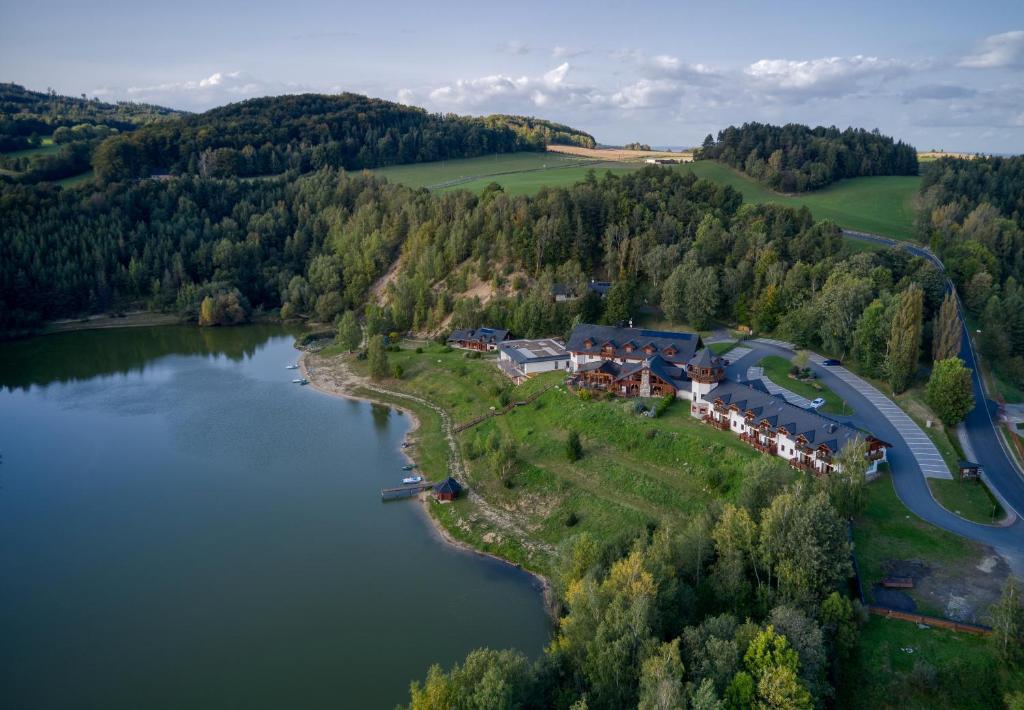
<point x="907" y="474"/>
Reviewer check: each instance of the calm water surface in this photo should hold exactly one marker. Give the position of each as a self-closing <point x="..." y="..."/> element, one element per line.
<point x="180" y="526"/>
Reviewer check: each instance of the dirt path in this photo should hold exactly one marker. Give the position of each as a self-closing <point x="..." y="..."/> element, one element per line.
<point x="334" y="376"/>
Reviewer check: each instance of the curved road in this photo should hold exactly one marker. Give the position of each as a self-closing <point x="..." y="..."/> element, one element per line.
<point x="907" y="476"/>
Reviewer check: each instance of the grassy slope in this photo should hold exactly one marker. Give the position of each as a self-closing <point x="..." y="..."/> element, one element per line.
<point x="47" y="147"/>
<point x="635" y="469"/>
<point x="777" y="369"/>
<point x="883" y="205"/>
<point x="968" y="499"/>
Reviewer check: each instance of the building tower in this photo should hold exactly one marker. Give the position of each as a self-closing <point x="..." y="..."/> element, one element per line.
<point x="705" y="372"/>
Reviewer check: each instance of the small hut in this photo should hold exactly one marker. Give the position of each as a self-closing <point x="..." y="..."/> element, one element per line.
<point x="447" y="490"/>
<point x="969" y="471"/>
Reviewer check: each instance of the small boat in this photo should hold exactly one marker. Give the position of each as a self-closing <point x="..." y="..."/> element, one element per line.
<point x="291" y="367"/>
<point x="409" y="480"/>
<point x="408" y="467"/>
<point x="300" y="381"/>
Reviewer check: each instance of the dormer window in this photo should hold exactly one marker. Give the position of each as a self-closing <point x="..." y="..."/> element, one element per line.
<point x="629" y="347"/>
<point x="670" y="351"/>
<point x="588" y="343"/>
<point x="648" y="349"/>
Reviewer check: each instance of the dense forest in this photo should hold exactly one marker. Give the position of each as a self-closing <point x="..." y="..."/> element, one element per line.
<point x="307" y="132"/>
<point x="72" y="128"/>
<point x="796" y="158"/>
<point x="972" y="215"/>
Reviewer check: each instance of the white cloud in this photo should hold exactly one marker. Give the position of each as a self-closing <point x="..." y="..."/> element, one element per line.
<point x="218" y="88"/>
<point x="515" y="47"/>
<point x="1002" y="50"/>
<point x="502" y="92"/>
<point x="647" y="93"/>
<point x="407" y="97"/>
<point x="560" y="52"/>
<point x="828" y="75"/>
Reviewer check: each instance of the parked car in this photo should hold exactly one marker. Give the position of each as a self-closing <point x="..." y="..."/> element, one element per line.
<point x="817" y="403"/>
<point x="832" y="362"/>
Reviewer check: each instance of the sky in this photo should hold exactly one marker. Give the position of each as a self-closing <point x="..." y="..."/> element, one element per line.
<point x="938" y="74"/>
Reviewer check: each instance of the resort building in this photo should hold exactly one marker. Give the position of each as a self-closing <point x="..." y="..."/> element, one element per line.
<point x="481" y="339"/>
<point x="631" y="362"/>
<point x="522" y="359"/>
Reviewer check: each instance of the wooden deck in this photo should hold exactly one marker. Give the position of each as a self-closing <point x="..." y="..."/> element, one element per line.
<point x="406" y="491"/>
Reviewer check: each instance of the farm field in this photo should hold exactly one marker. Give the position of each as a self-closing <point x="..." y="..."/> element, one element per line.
<point x="440" y="173"/>
<point x="47" y="147"/>
<point x="880" y="205"/>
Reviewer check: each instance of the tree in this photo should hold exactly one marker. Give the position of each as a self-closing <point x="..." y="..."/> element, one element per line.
<point x="947" y="330"/>
<point x="1008" y="622"/>
<point x="949" y="392"/>
<point x="840" y="624"/>
<point x="661" y="680"/>
<point x="573" y="447"/>
<point x="377" y="357"/>
<point x="846" y="483"/>
<point x="772" y="666"/>
<point x="350" y="335"/>
<point x="486" y="679"/>
<point x="904" y="346"/>
<point x="870" y="337"/>
<point x="206" y="313"/>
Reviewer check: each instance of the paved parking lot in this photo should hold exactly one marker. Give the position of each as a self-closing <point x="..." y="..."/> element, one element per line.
<point x="757" y="373"/>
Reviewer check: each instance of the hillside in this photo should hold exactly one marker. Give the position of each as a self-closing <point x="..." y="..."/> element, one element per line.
<point x="308" y="132"/>
<point x="797" y="158"/>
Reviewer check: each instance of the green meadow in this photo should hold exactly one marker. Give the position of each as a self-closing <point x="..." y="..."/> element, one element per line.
<point x="879" y="205"/>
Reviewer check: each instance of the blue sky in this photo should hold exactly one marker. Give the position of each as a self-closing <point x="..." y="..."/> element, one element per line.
<point x="938" y="74"/>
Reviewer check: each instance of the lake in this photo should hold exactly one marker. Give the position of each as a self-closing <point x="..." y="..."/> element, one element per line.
<point x="181" y="526"/>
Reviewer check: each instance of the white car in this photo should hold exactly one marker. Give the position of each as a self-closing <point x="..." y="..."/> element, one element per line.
<point x="817" y="403"/>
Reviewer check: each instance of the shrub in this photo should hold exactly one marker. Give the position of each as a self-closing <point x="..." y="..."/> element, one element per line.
<point x="419" y="350"/>
<point x="572" y="519"/>
<point x="504" y="398"/>
<point x="663" y="404"/>
<point x="583" y="394"/>
<point x="573" y="446"/>
<point x="397" y="372"/>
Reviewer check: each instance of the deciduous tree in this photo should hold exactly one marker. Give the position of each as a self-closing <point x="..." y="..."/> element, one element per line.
<point x="904" y="347"/>
<point x="949" y="392"/>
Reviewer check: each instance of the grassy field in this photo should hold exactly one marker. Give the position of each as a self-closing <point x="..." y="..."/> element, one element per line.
<point x="968" y="499"/>
<point x="478" y="170"/>
<point x="777" y="370"/>
<point x="882" y="205"/>
<point x="47" y="147"/>
<point x="635" y="470"/>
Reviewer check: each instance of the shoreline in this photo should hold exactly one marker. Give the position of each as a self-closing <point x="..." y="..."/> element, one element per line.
<point x="344" y="391"/>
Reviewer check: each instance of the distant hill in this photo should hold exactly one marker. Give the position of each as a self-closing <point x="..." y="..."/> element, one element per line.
<point x="307" y="132"/>
<point x="25" y="113"/>
<point x="797" y="158"/>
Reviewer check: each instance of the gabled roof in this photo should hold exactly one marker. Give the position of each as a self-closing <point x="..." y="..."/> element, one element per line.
<point x="817" y="429"/>
<point x="684" y="344"/>
<point x="705" y="358"/>
<point x="481" y="335"/>
<point x="448" y="485"/>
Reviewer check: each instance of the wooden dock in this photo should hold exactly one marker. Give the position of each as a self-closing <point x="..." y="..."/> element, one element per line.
<point x="406" y="491"/>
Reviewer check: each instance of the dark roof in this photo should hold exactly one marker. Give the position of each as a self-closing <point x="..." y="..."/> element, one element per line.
<point x="684" y="344"/>
<point x="561" y="290"/>
<point x="482" y="335"/>
<point x="816" y="428"/>
<point x="448" y="485"/>
<point x="658" y="365"/>
<point x="599" y="287"/>
<point x="705" y="358"/>
<point x="968" y="464"/>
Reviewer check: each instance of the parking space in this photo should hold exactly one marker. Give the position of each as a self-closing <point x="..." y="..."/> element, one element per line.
<point x="757" y="373"/>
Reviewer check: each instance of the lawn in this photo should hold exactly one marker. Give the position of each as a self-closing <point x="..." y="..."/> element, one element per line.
<point x="721" y="348"/>
<point x="953" y="670"/>
<point x="635" y="470"/>
<point x="76" y="180"/>
<point x="968" y="499"/>
<point x="886" y="530"/>
<point x="881" y="205"/>
<point x="47" y="147"/>
<point x="777" y="369"/>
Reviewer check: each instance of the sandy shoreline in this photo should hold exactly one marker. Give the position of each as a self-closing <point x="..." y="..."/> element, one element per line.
<point x="340" y="382"/>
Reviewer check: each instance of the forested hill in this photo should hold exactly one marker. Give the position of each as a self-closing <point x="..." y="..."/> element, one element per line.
<point x="796" y="158"/>
<point x="28" y="116"/>
<point x="308" y="132"/>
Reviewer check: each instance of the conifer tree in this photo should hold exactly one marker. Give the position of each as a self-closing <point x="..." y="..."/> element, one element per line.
<point x="947" y="336"/>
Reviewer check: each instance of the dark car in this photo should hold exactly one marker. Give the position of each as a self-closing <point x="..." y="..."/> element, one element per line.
<point x="831" y="362"/>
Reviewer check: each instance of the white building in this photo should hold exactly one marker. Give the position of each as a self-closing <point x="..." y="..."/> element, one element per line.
<point x="521" y="359"/>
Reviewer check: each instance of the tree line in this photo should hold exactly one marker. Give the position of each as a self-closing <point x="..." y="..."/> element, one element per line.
<point x="972" y="214"/>
<point x="797" y="158"/>
<point x="308" y="132"/>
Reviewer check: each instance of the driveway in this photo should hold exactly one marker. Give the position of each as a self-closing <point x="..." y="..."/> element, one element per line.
<point x="911" y="457"/>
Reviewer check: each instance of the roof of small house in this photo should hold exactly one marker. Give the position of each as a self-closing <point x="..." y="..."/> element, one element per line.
<point x="525" y="351"/>
<point x="448" y="485"/>
<point x="561" y="290"/>
<point x="968" y="464"/>
<point x="816" y="428"/>
<point x="599" y="287"/>
<point x="480" y="335"/>
<point x="658" y="365"/>
<point x="676" y="348"/>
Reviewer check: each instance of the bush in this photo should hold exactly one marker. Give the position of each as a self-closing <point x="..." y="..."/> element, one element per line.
<point x="504" y="398"/>
<point x="572" y="519"/>
<point x="397" y="372"/>
<point x="573" y="447"/>
<point x="583" y="394"/>
<point x="419" y="351"/>
<point x="663" y="404"/>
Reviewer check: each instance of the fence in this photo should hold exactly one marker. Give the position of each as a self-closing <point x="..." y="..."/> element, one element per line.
<point x="505" y="410"/>
<point x="929" y="620"/>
